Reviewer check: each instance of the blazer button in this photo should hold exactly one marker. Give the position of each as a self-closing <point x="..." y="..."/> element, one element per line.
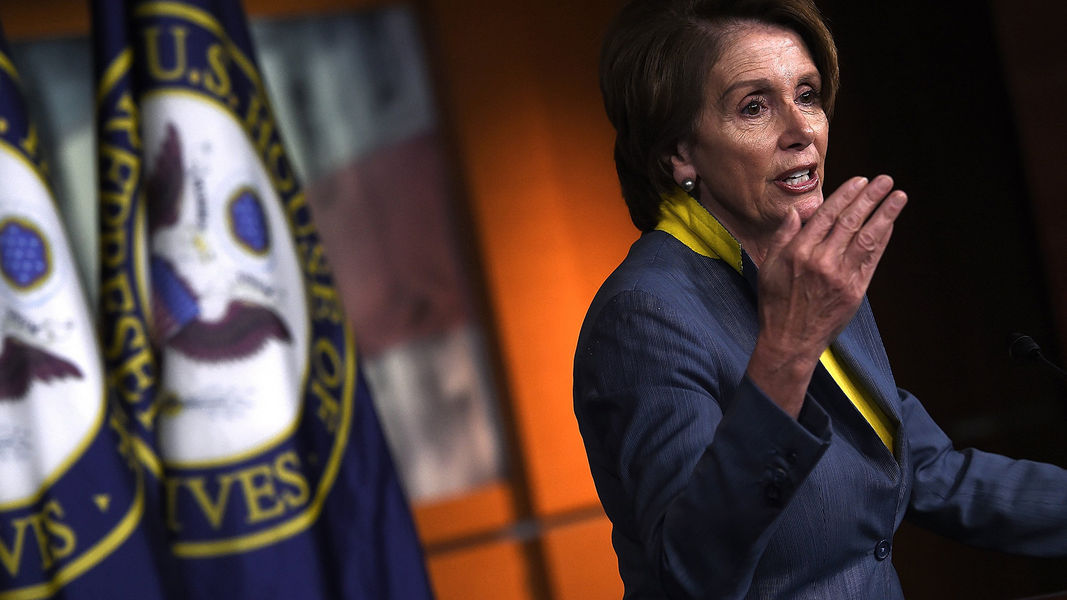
<point x="881" y="549"/>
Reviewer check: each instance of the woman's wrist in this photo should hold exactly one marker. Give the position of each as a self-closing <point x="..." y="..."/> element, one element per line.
<point x="782" y="373"/>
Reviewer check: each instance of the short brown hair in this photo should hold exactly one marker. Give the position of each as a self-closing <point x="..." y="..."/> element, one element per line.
<point x="653" y="68"/>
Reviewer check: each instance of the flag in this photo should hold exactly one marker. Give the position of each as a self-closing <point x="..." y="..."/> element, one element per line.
<point x="223" y="332"/>
<point x="72" y="493"/>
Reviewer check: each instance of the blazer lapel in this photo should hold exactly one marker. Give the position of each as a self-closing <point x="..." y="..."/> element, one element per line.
<point x="860" y="350"/>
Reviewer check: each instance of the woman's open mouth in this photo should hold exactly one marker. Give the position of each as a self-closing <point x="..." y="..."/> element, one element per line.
<point x="799" y="181"/>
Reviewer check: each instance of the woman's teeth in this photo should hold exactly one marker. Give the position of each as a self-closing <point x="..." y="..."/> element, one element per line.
<point x="798" y="177"/>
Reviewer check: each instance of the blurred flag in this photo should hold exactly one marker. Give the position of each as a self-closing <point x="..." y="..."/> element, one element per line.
<point x="72" y="493"/>
<point x="223" y="332"/>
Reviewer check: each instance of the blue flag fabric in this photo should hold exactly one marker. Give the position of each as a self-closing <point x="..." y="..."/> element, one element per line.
<point x="73" y="494"/>
<point x="223" y="332"/>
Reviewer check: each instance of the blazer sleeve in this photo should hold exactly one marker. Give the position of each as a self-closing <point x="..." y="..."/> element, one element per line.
<point x="983" y="499"/>
<point x="696" y="469"/>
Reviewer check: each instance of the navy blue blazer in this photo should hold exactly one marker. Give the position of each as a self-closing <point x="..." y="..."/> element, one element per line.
<point x="714" y="492"/>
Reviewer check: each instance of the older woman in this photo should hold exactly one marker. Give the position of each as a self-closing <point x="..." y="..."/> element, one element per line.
<point x="742" y="424"/>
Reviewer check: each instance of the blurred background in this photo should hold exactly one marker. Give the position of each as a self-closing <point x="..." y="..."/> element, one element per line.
<point x="459" y="165"/>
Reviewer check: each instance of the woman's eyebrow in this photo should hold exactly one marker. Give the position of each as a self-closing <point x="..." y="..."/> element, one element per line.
<point x="762" y="83"/>
<point x="758" y="84"/>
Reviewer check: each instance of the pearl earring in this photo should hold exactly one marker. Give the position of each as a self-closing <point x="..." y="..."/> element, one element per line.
<point x="688" y="184"/>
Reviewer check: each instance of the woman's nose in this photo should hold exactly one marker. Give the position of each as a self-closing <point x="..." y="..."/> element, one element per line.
<point x="798" y="130"/>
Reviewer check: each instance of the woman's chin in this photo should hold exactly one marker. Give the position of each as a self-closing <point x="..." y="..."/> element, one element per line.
<point x="806" y="207"/>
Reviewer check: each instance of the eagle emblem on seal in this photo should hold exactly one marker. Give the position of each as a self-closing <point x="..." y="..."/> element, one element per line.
<point x="245" y="326"/>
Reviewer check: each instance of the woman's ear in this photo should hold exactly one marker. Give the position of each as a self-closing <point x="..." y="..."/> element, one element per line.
<point x="682" y="165"/>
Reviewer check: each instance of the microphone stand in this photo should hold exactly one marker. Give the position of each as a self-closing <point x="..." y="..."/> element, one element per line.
<point x="1023" y="347"/>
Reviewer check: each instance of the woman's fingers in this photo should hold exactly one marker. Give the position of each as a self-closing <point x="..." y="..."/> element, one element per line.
<point x="852" y="224"/>
<point x="869" y="243"/>
<point x="852" y="217"/>
<point x="822" y="222"/>
<point x="816" y="277"/>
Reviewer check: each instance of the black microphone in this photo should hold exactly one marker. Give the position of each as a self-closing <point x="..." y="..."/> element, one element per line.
<point x="1023" y="347"/>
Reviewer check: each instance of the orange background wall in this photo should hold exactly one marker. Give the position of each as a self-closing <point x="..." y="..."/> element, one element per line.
<point x="518" y="83"/>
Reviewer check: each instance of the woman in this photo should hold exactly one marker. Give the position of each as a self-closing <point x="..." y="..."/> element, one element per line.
<point x="739" y="414"/>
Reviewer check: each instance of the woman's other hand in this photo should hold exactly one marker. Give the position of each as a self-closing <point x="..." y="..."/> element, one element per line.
<point x="813" y="280"/>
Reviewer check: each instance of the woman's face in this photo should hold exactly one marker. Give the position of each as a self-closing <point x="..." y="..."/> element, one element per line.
<point x="760" y="143"/>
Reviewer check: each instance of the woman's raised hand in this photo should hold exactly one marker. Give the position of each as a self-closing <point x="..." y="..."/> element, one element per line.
<point x="812" y="281"/>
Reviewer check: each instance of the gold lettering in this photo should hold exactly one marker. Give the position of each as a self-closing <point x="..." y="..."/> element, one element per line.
<point x="12" y="557"/>
<point x="329" y="411"/>
<point x="281" y="175"/>
<point x="163" y="400"/>
<point x="64" y="540"/>
<point x="121" y="172"/>
<point x="268" y="490"/>
<point x="134" y="376"/>
<point x="113" y="248"/>
<point x="212" y="508"/>
<point x="315" y="260"/>
<point x="255" y="493"/>
<point x="326" y="303"/>
<point x="287" y="469"/>
<point x="155" y="69"/>
<point x="123" y="119"/>
<point x="55" y="540"/>
<point x="42" y="540"/>
<point x="171" y="486"/>
<point x="301" y="227"/>
<point x="325" y="352"/>
<point x="119" y="423"/>
<point x="217" y="79"/>
<point x="129" y="335"/>
<point x="325" y="377"/>
<point x="258" y="122"/>
<point x="116" y="294"/>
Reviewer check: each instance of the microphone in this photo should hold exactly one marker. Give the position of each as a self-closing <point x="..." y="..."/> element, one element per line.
<point x="1023" y="348"/>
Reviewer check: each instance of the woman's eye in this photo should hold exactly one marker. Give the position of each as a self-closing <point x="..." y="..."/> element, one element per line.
<point x="751" y="109"/>
<point x="808" y="97"/>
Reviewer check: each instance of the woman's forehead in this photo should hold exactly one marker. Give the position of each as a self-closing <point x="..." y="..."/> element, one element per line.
<point x="760" y="52"/>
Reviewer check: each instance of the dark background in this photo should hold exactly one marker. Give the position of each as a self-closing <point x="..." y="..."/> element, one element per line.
<point x="942" y="97"/>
